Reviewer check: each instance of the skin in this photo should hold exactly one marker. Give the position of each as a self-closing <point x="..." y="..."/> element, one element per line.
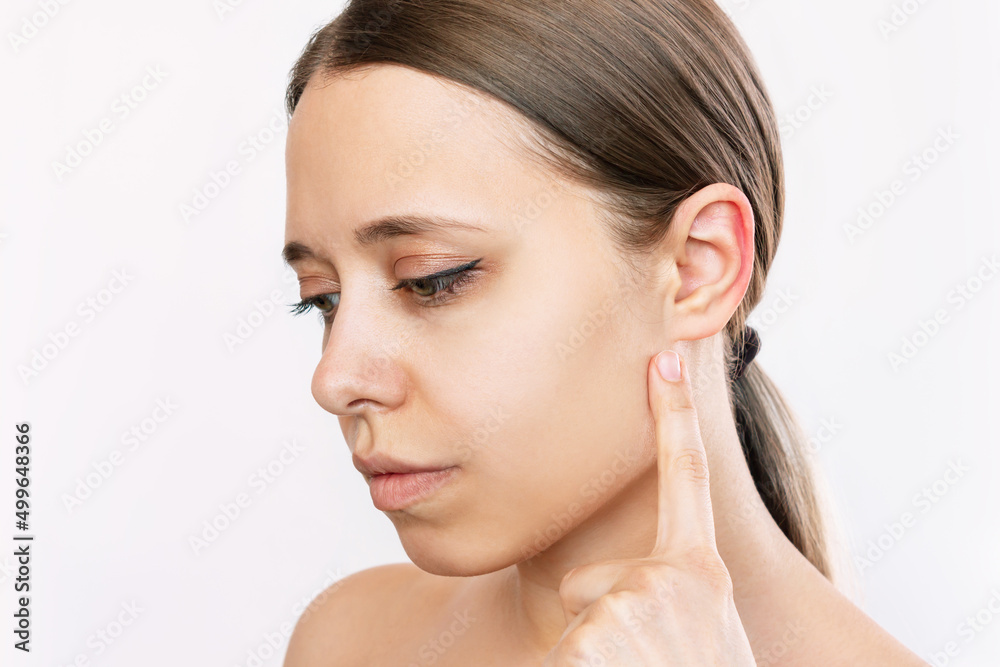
<point x="535" y="379"/>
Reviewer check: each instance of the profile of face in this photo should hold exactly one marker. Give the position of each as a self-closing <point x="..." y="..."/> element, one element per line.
<point x="526" y="372"/>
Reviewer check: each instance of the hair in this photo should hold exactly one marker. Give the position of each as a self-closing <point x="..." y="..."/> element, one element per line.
<point x="647" y="101"/>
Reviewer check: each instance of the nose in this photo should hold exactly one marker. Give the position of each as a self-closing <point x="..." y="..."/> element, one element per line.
<point x="361" y="366"/>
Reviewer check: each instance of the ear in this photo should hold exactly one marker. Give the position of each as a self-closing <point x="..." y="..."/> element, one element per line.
<point x="711" y="249"/>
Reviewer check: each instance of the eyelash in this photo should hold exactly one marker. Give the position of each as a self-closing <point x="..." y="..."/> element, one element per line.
<point x="445" y="281"/>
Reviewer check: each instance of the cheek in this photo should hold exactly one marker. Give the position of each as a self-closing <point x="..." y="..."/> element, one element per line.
<point x="548" y="409"/>
<point x="587" y="436"/>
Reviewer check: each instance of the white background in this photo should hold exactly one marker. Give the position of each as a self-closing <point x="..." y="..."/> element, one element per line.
<point x="895" y="431"/>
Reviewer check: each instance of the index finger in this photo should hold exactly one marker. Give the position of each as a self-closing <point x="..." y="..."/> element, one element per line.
<point x="684" y="515"/>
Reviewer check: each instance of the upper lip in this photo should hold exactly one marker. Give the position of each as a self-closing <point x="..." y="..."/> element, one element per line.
<point x="380" y="464"/>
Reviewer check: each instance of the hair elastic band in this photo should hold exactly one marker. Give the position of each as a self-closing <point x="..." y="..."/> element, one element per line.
<point x="745" y="351"/>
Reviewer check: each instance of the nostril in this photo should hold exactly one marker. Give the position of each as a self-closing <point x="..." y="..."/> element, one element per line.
<point x="362" y="404"/>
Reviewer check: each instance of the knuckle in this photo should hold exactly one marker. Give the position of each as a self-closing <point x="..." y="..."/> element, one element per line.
<point x="707" y="565"/>
<point x="649" y="577"/>
<point x="658" y="583"/>
<point x="680" y="401"/>
<point x="566" y="584"/>
<point x="575" y="648"/>
<point x="613" y="606"/>
<point x="571" y="581"/>
<point x="691" y="462"/>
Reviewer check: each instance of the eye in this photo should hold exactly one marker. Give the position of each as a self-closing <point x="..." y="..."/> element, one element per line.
<point x="430" y="289"/>
<point x="324" y="303"/>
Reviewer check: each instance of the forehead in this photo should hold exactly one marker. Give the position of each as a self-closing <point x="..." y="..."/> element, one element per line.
<point x="391" y="140"/>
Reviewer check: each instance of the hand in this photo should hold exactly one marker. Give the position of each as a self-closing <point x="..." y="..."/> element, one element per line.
<point x="674" y="607"/>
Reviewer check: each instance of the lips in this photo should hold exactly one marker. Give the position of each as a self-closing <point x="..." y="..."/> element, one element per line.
<point x="380" y="464"/>
<point x="398" y="490"/>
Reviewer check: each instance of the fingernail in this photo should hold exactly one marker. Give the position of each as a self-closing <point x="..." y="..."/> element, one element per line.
<point x="669" y="365"/>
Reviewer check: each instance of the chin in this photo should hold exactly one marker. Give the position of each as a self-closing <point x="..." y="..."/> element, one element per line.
<point x="451" y="553"/>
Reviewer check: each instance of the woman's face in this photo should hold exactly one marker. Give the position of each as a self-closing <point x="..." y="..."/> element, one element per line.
<point x="528" y="375"/>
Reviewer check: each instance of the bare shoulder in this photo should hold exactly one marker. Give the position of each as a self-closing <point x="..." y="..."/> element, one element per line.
<point x="338" y="626"/>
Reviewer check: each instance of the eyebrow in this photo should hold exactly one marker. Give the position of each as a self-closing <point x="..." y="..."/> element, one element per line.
<point x="381" y="230"/>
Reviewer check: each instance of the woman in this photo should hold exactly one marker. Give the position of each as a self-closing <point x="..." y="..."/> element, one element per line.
<point x="504" y="212"/>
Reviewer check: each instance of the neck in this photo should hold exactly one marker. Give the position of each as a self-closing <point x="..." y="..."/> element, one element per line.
<point x="760" y="559"/>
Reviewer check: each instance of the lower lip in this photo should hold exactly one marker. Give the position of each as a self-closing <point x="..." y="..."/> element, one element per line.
<point x="396" y="491"/>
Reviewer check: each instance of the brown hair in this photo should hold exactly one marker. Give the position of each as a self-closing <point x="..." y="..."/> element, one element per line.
<point x="645" y="100"/>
